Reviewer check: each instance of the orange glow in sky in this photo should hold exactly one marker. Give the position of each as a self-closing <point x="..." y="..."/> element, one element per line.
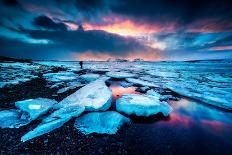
<point x="146" y="55"/>
<point x="125" y="28"/>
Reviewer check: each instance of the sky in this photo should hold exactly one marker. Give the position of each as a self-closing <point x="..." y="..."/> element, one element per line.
<point x="152" y="30"/>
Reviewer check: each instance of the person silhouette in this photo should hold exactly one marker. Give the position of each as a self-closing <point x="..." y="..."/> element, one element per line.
<point x="81" y="64"/>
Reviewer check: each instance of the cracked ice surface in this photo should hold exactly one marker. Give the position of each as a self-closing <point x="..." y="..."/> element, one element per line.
<point x="16" y="73"/>
<point x="101" y="122"/>
<point x="94" y="96"/>
<point x="142" y="105"/>
<point x="141" y="82"/>
<point x="44" y="128"/>
<point x="120" y="75"/>
<point x="12" y="119"/>
<point x="89" y="77"/>
<point x="35" y="107"/>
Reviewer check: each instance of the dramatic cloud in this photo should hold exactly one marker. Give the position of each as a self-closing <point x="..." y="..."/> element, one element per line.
<point x="47" y="23"/>
<point x="102" y="29"/>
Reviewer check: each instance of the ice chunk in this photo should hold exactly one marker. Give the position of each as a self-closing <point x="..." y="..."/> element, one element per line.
<point x="161" y="97"/>
<point x="35" y="107"/>
<point x="142" y="105"/>
<point x="154" y="94"/>
<point x="12" y="119"/>
<point x="141" y="82"/>
<point x="94" y="96"/>
<point x="70" y="87"/>
<point x="120" y="75"/>
<point x="101" y="122"/>
<point x="60" y="76"/>
<point x="44" y="128"/>
<point x="126" y="84"/>
<point x="89" y="77"/>
<point x="66" y="112"/>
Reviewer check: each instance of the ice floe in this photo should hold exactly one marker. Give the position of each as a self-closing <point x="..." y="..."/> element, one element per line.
<point x="89" y="77"/>
<point x="60" y="76"/>
<point x="35" y="107"/>
<point x="120" y="75"/>
<point x="12" y="119"/>
<point x="15" y="73"/>
<point x="142" y="105"/>
<point x="141" y="82"/>
<point x="44" y="128"/>
<point x="203" y="93"/>
<point x="94" y="96"/>
<point x="101" y="122"/>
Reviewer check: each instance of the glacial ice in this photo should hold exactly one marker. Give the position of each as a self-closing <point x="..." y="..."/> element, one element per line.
<point x="16" y="73"/>
<point x="141" y="82"/>
<point x="66" y="112"/>
<point x="60" y="76"/>
<point x="94" y="96"/>
<point x="101" y="122"/>
<point x="12" y="119"/>
<point x="153" y="93"/>
<point x="205" y="94"/>
<point x="44" y="128"/>
<point x="120" y="75"/>
<point x="142" y="105"/>
<point x="89" y="77"/>
<point x="35" y="107"/>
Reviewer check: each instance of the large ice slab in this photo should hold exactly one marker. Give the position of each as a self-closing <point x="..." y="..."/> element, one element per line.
<point x="120" y="75"/>
<point x="35" y="107"/>
<point x="101" y="122"/>
<point x="44" y="128"/>
<point x="142" y="105"/>
<point x="141" y="82"/>
<point x="94" y="96"/>
<point x="12" y="119"/>
<point x="89" y="77"/>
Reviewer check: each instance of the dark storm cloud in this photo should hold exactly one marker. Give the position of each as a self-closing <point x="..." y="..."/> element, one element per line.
<point x="10" y="2"/>
<point x="47" y="23"/>
<point x="74" y="42"/>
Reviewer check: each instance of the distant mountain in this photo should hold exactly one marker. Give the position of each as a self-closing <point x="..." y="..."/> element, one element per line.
<point x="7" y="59"/>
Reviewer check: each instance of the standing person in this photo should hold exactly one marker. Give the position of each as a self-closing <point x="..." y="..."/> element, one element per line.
<point x="81" y="64"/>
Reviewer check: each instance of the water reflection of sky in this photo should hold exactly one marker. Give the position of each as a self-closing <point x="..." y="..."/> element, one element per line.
<point x="188" y="114"/>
